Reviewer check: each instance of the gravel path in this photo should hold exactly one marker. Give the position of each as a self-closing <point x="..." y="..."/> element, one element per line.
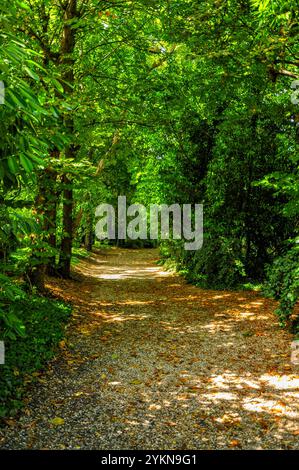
<point x="153" y="363"/>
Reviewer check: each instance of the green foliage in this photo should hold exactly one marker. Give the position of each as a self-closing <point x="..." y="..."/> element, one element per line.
<point x="283" y="285"/>
<point x="10" y="297"/>
<point x="217" y="265"/>
<point x="78" y="254"/>
<point x="44" y="322"/>
<point x="21" y="147"/>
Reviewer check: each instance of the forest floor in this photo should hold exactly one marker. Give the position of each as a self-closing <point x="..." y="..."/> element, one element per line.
<point x="151" y="362"/>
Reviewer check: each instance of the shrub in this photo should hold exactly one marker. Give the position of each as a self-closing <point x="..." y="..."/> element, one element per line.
<point x="283" y="285"/>
<point x="217" y="265"/>
<point x="43" y="324"/>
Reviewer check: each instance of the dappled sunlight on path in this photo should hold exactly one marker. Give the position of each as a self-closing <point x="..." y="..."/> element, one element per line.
<point x="154" y="363"/>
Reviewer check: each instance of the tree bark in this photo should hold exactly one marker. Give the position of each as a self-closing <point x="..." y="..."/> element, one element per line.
<point x="67" y="50"/>
<point x="45" y="210"/>
<point x="88" y="241"/>
<point x="67" y="236"/>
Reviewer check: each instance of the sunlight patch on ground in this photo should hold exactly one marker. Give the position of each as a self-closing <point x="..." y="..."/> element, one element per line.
<point x="214" y="327"/>
<point x="119" y="317"/>
<point x="262" y="405"/>
<point x="120" y="274"/>
<point x="215" y="396"/>
<point x="222" y="296"/>
<point x="282" y="382"/>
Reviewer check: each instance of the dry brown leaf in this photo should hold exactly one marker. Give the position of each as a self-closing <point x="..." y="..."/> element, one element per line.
<point x="234" y="443"/>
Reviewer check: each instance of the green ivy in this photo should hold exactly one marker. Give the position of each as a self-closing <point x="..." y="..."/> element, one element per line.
<point x="283" y="285"/>
<point x="44" y="322"/>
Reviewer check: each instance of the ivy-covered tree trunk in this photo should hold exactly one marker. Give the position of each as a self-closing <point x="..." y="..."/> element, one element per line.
<point x="67" y="222"/>
<point x="38" y="264"/>
<point x="67" y="50"/>
<point x="51" y="214"/>
<point x="88" y="239"/>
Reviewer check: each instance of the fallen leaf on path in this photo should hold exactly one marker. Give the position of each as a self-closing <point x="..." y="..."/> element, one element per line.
<point x="234" y="443"/>
<point x="170" y="423"/>
<point x="136" y="382"/>
<point x="57" y="421"/>
<point x="10" y="422"/>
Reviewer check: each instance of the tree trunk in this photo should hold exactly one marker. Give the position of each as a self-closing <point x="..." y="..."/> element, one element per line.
<point x="67" y="49"/>
<point x="44" y="208"/>
<point x="67" y="237"/>
<point x="88" y="242"/>
<point x="53" y="194"/>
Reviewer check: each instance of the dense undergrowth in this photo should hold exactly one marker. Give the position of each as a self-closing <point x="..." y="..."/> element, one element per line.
<point x="31" y="327"/>
<point x="226" y="271"/>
